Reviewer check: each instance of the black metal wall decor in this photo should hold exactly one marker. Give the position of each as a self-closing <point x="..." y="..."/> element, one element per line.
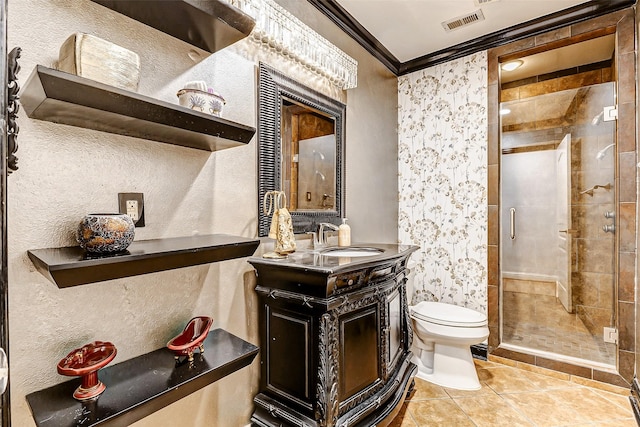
<point x="8" y="130"/>
<point x="12" y="108"/>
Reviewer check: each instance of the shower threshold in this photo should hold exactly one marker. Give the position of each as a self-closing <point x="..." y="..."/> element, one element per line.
<point x="604" y="367"/>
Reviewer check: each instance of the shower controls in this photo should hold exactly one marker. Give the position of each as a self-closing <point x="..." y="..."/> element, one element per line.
<point x="609" y="214"/>
<point x="609" y="228"/>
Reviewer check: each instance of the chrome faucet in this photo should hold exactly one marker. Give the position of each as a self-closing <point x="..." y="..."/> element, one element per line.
<point x="320" y="237"/>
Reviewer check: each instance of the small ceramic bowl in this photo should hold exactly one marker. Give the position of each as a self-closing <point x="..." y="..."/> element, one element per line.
<point x="199" y="100"/>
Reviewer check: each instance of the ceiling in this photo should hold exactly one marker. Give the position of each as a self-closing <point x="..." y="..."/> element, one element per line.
<point x="412" y="28"/>
<point x="407" y="35"/>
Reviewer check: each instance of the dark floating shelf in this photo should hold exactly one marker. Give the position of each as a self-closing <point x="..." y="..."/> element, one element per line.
<point x="210" y="25"/>
<point x="65" y="98"/>
<point x="140" y="386"/>
<point x="70" y="267"/>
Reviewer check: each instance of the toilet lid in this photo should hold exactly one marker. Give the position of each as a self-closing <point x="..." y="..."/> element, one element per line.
<point x="448" y="314"/>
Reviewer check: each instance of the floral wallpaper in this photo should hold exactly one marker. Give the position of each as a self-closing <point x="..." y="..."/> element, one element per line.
<point x="443" y="180"/>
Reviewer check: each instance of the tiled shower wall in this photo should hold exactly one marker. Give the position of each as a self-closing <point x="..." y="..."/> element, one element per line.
<point x="442" y="180"/>
<point x="623" y="23"/>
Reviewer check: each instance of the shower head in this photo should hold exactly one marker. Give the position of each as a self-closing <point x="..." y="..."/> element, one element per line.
<point x="597" y="119"/>
<point x="600" y="155"/>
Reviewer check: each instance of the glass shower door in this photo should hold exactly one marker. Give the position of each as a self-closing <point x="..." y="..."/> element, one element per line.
<point x="557" y="244"/>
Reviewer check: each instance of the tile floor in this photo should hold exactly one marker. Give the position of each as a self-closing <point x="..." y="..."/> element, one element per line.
<point x="512" y="396"/>
<point x="540" y="322"/>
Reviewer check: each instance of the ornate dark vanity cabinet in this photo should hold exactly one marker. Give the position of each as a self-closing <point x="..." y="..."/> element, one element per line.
<point x="335" y="339"/>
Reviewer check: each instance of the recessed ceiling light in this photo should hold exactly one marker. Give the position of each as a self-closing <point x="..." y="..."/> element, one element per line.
<point x="512" y="65"/>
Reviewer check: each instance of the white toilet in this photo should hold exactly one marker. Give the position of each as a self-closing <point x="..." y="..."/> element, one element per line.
<point x="443" y="335"/>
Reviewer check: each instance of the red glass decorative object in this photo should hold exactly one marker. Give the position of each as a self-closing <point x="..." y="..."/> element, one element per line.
<point x="85" y="362"/>
<point x="192" y="337"/>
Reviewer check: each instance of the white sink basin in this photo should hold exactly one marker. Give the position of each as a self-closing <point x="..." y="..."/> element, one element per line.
<point x="351" y="252"/>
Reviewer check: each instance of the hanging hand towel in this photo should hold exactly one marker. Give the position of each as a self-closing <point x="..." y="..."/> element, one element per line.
<point x="281" y="228"/>
<point x="273" y="230"/>
<point x="285" y="240"/>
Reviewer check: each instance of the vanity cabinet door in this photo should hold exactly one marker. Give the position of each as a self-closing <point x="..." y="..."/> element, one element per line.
<point x="359" y="338"/>
<point x="288" y="354"/>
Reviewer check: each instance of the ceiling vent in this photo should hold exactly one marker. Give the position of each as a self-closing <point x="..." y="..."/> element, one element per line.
<point x="483" y="2"/>
<point x="463" y="21"/>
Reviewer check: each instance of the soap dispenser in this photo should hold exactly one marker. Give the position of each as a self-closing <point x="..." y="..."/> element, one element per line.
<point x="344" y="233"/>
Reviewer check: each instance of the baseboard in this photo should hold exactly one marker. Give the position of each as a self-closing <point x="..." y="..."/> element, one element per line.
<point x="480" y="351"/>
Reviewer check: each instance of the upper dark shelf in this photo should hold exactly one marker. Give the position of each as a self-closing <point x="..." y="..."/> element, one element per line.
<point x="65" y="98"/>
<point x="140" y="386"/>
<point x="210" y="25"/>
<point x="70" y="267"/>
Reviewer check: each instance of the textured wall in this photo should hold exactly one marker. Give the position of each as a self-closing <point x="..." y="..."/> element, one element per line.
<point x="442" y="180"/>
<point x="66" y="172"/>
<point x="372" y="144"/>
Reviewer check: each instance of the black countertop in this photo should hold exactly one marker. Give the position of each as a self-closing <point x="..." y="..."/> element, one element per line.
<point x="316" y="261"/>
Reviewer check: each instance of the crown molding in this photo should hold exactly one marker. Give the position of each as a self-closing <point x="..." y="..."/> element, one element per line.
<point x="573" y="15"/>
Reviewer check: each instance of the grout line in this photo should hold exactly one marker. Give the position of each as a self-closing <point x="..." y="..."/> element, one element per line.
<point x="613" y="401"/>
<point x="464" y="412"/>
<point x="517" y="410"/>
<point x="412" y="417"/>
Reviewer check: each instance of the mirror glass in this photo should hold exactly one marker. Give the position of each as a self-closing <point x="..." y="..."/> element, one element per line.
<point x="308" y="158"/>
<point x="300" y="151"/>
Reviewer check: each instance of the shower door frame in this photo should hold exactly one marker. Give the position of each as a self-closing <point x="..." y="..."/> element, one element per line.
<point x="622" y="24"/>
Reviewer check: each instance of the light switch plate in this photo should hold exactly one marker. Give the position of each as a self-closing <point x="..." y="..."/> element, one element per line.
<point x="128" y="202"/>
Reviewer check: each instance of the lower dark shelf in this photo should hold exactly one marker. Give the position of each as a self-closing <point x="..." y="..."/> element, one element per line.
<point x="140" y="386"/>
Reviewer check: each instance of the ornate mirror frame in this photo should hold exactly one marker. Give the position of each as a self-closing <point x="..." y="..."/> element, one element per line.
<point x="273" y="88"/>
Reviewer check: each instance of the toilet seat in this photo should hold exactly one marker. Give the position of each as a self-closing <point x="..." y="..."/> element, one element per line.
<point x="448" y="315"/>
